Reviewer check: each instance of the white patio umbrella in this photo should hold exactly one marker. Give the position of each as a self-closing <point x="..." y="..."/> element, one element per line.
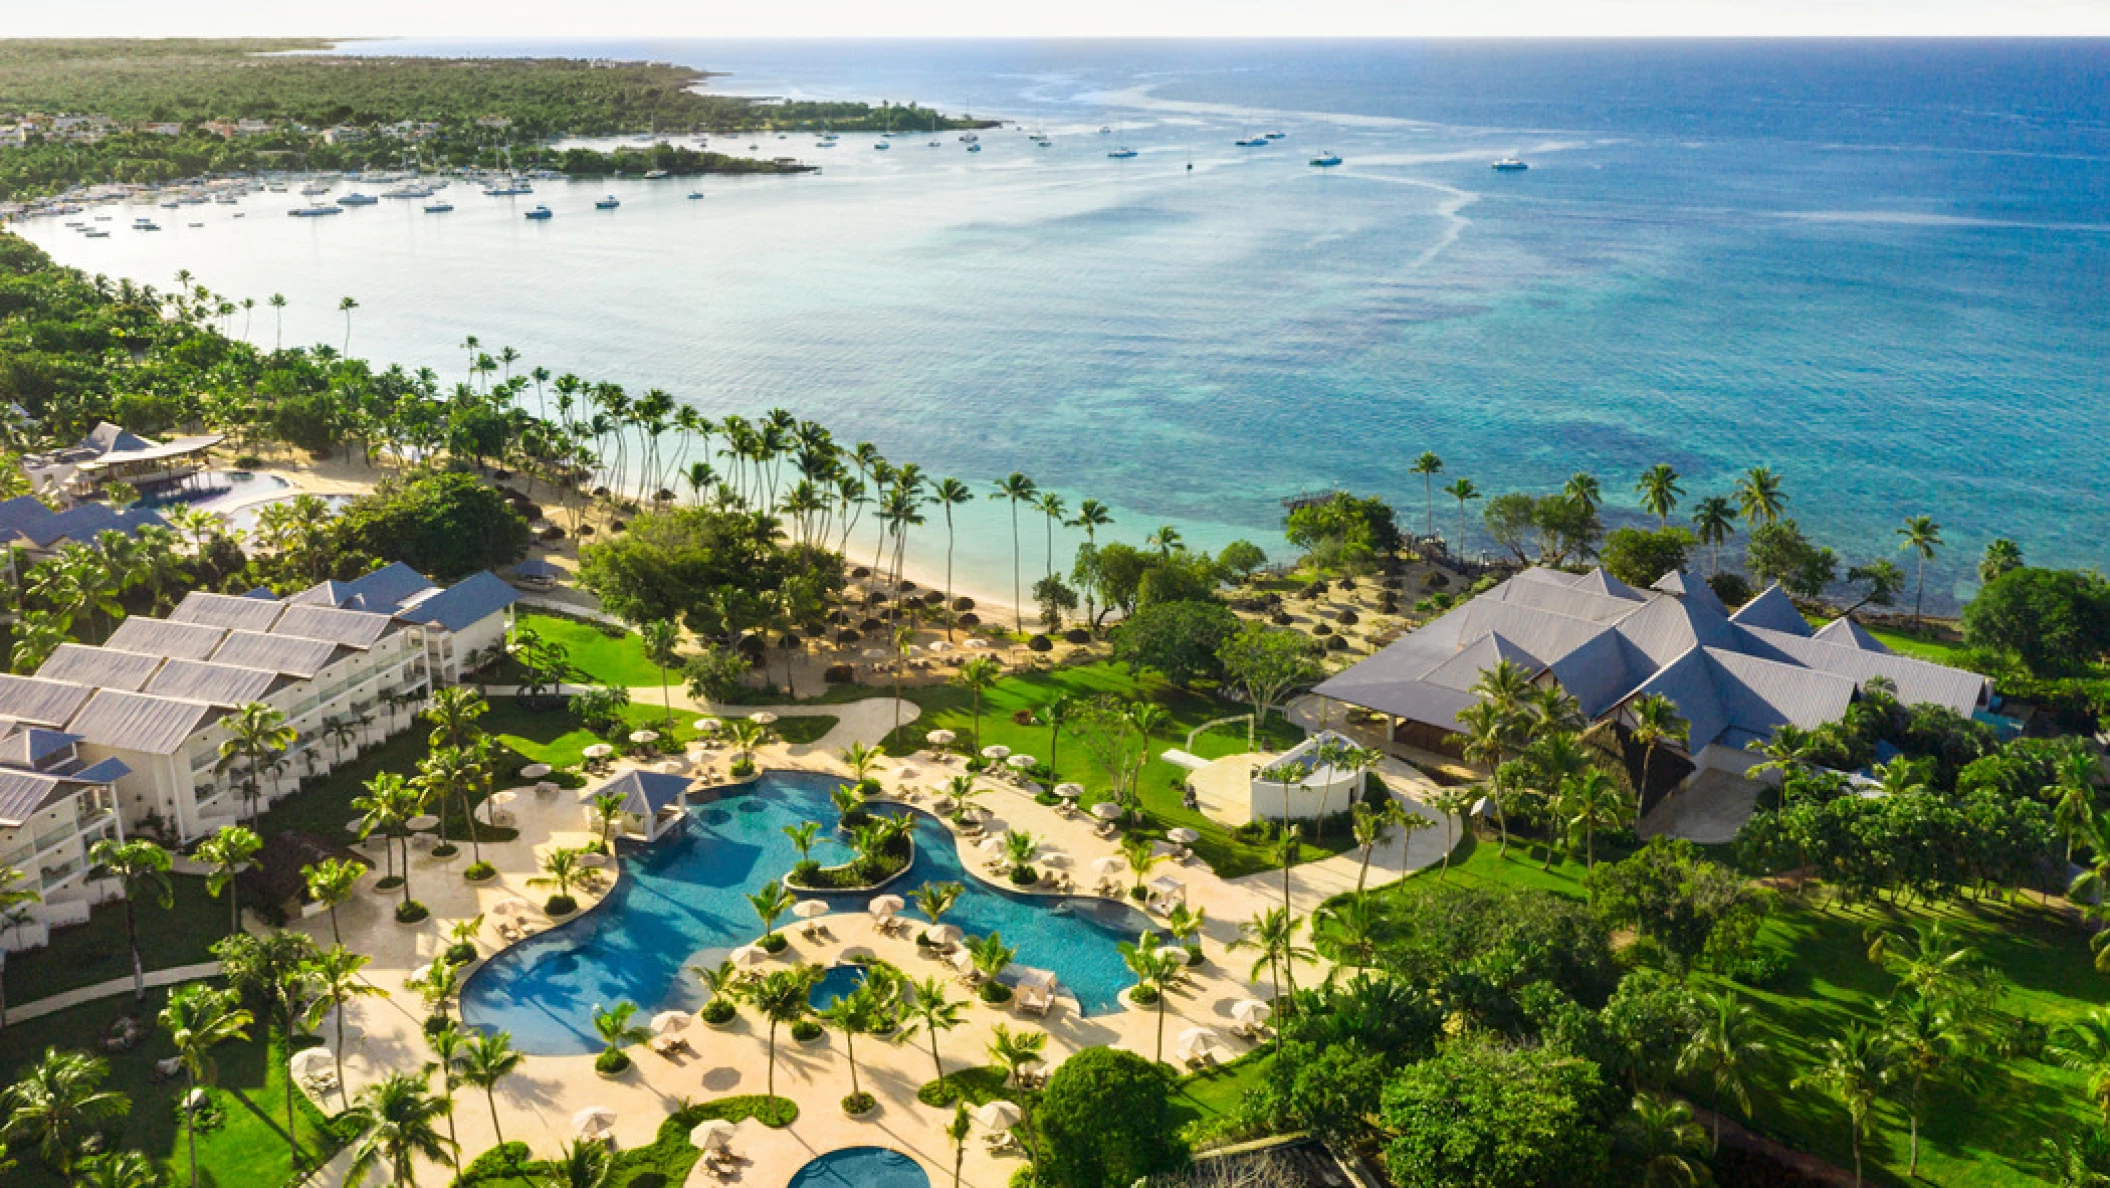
<point x="1106" y="810"/>
<point x="1021" y="762"/>
<point x="668" y="1022"/>
<point x="707" y="725"/>
<point x="940" y="646"/>
<point x="1251" y="1011"/>
<point x="1069" y="791"/>
<point x="997" y="1115"/>
<point x="534" y="771"/>
<point x="883" y="906"/>
<point x="939" y="738"/>
<point x="993" y="844"/>
<point x="511" y="907"/>
<point x="906" y="773"/>
<point x="1183" y="836"/>
<point x="977" y="642"/>
<point x="307" y="1062"/>
<point x="807" y="909"/>
<point x="502" y="798"/>
<point x="963" y="961"/>
<point x="712" y="1134"/>
<point x="1054" y="858"/>
<point x="593" y="861"/>
<point x="593" y="1122"/>
<point x="748" y="956"/>
<point x="1194" y="1041"/>
<point x="641" y="737"/>
<point x="418" y="975"/>
<point x="877" y="653"/>
<point x="995" y="751"/>
<point x="598" y="751"/>
<point x="1108" y="865"/>
<point x="422" y="822"/>
<point x="944" y="934"/>
<point x="762" y="718"/>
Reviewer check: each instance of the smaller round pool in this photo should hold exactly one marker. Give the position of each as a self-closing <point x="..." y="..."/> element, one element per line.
<point x="861" y="1167"/>
<point x="839" y="981"/>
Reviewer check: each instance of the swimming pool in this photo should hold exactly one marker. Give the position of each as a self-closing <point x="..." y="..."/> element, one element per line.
<point x="244" y="518"/>
<point x="212" y="489"/>
<point x="683" y="899"/>
<point x="839" y="982"/>
<point x="861" y="1167"/>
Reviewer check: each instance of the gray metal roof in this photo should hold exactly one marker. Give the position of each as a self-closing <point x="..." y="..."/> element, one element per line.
<point x="41" y="702"/>
<point x="104" y="668"/>
<point x="226" y="610"/>
<point x="1849" y="634"/>
<point x="352" y="629"/>
<point x="24" y="793"/>
<point x="137" y="722"/>
<point x="1692" y="590"/>
<point x="289" y="654"/>
<point x="1772" y="610"/>
<point x="1916" y="680"/>
<point x="160" y="637"/>
<point x="214" y="684"/>
<point x="471" y="600"/>
<point x="646" y="792"/>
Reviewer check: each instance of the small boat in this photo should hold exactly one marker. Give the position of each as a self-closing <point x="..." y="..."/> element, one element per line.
<point x="824" y="144"/>
<point x="314" y="212"/>
<point x="968" y="137"/>
<point x="974" y="148"/>
<point x="438" y="207"/>
<point x="145" y="225"/>
<point x="1105" y="131"/>
<point x="95" y="233"/>
<point x="882" y="146"/>
<point x="357" y="199"/>
<point x="540" y="212"/>
<point x="194" y="224"/>
<point x="1326" y="160"/>
<point x="608" y="203"/>
<point x="1273" y="135"/>
<point x="753" y="147"/>
<point x="654" y="174"/>
<point x="1252" y="142"/>
<point x="936" y="144"/>
<point x="1510" y="165"/>
<point x="695" y="195"/>
<point x="1122" y="154"/>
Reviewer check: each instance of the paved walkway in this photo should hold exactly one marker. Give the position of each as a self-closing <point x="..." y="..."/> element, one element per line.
<point x="868" y="721"/>
<point x="155" y="979"/>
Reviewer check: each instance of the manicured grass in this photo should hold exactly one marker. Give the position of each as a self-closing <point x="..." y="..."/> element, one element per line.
<point x="975" y="1086"/>
<point x="663" y="1163"/>
<point x="1990" y="1139"/>
<point x="1922" y="647"/>
<point x="805" y="729"/>
<point x="246" y="1150"/>
<point x="97" y="951"/>
<point x="1217" y="1093"/>
<point x="951" y="708"/>
<point x="596" y="658"/>
<point x="323" y="805"/>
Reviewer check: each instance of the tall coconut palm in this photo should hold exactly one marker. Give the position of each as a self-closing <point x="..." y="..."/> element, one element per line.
<point x="2083" y="1045"/>
<point x="2001" y="556"/>
<point x="198" y="1019"/>
<point x="1157" y="968"/>
<point x="15" y="898"/>
<point x="273" y="971"/>
<point x="1591" y="801"/>
<point x="783" y="996"/>
<point x="396" y="1117"/>
<point x="1853" y="1067"/>
<point x="1464" y="492"/>
<point x="277" y="302"/>
<point x="1428" y="466"/>
<point x="116" y="1169"/>
<point x="346" y="305"/>
<point x="1759" y="497"/>
<point x="484" y="1059"/>
<point x="1928" y="1043"/>
<point x="949" y="493"/>
<point x="59" y="1102"/>
<point x="1723" y="1050"/>
<point x="929" y="1011"/>
<point x="1665" y="1142"/>
<point x="1583" y="490"/>
<point x="976" y="676"/>
<point x="389" y="804"/>
<point x="1659" y="491"/>
<point x="228" y="853"/>
<point x="338" y="981"/>
<point x="1273" y="935"/>
<point x="1923" y="537"/>
<point x="859" y="1012"/>
<point x="330" y="883"/>
<point x="1053" y="509"/>
<point x="2076" y="774"/>
<point x="142" y="869"/>
<point x="1656" y="721"/>
<point x="258" y="739"/>
<point x="1017" y="489"/>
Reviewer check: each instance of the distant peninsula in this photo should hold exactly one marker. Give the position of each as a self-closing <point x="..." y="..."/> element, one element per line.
<point x="78" y="112"/>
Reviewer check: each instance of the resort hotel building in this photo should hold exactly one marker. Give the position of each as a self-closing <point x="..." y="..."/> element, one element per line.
<point x="1733" y="676"/>
<point x="126" y="735"/>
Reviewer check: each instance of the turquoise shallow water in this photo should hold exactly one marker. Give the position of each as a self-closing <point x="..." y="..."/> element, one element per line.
<point x="861" y="1167"/>
<point x="1875" y="267"/>
<point x="682" y="901"/>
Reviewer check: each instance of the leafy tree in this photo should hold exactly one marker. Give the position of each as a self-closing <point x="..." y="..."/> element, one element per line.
<point x="1106" y="1119"/>
<point x="445" y="525"/>
<point x="1267" y="663"/>
<point x="58" y="1103"/>
<point x="1650" y="1018"/>
<point x="714" y="672"/>
<point x="1778" y="552"/>
<point x="1639" y="556"/>
<point x="1344" y="522"/>
<point x="1055" y="599"/>
<point x="1240" y="558"/>
<point x="1179" y="639"/>
<point x="1485" y="1114"/>
<point x="2054" y="621"/>
<point x="272" y="971"/>
<point x="1669" y="892"/>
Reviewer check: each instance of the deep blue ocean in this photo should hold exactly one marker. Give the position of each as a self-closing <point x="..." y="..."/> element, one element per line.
<point x="1877" y="267"/>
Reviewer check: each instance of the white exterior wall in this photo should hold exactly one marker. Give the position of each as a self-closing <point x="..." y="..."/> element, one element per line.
<point x="51" y="849"/>
<point x="1306" y="801"/>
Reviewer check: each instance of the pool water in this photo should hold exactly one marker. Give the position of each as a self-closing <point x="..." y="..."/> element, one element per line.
<point x="839" y="982"/>
<point x="244" y="518"/>
<point x="212" y="489"/>
<point x="683" y="900"/>
<point x="861" y="1167"/>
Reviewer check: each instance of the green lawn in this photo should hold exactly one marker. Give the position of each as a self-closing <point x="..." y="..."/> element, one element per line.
<point x="1987" y="1140"/>
<point x="97" y="951"/>
<point x="1922" y="647"/>
<point x="247" y="1149"/>
<point x="952" y="709"/>
<point x="596" y="658"/>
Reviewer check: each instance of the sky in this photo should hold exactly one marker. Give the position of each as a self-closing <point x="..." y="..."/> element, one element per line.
<point x="1062" y="18"/>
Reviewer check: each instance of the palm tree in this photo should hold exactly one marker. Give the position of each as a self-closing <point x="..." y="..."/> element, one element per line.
<point x="1930" y="961"/>
<point x="14" y="907"/>
<point x="1659" y="491"/>
<point x="335" y="973"/>
<point x="770" y="904"/>
<point x="258" y="737"/>
<point x="949" y="493"/>
<point x="1156" y="968"/>
<point x="1853" y="1067"/>
<point x="1759" y="497"/>
<point x="616" y="1028"/>
<point x="59" y="1102"/>
<point x="1583" y="490"/>
<point x="1922" y="536"/>
<point x="1664" y="1140"/>
<point x="1428" y="466"/>
<point x="1273" y="935"/>
<point x="1016" y="488"/>
<point x="228" y="852"/>
<point x="397" y="1116"/>
<point x="330" y="883"/>
<point x="1452" y="804"/>
<point x="142" y="869"/>
<point x="1464" y="492"/>
<point x="346" y="305"/>
<point x="2001" y="556"/>
<point x="935" y="899"/>
<point x="1656" y="721"/>
<point x="958" y="1131"/>
<point x="1788" y="749"/>
<point x="1370" y="828"/>
<point x="1053" y="509"/>
<point x="198" y="1019"/>
<point x="560" y="869"/>
<point x="485" y="1059"/>
<point x="928" y="1010"/>
<point x="453" y="712"/>
<point x="277" y="302"/>
<point x="1721" y="1048"/>
<point x="2074" y="810"/>
<point x="118" y="1169"/>
<point x="857" y="1013"/>
<point x="273" y="970"/>
<point x="783" y="997"/>
<point x="975" y="676"/>
<point x="389" y="804"/>
<point x="1166" y="540"/>
<point x="1014" y="1050"/>
<point x="1141" y="855"/>
<point x="581" y="1164"/>
<point x="1927" y="1042"/>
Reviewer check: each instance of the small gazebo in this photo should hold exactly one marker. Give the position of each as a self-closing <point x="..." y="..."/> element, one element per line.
<point x="652" y="801"/>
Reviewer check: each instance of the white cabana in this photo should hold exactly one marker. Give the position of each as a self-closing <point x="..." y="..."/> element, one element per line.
<point x="1166" y="891"/>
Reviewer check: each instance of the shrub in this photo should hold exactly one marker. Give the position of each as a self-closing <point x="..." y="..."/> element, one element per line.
<point x="805" y="1031"/>
<point x="1040" y="643"/>
<point x="719" y="1011"/>
<point x="1077" y="635"/>
<point x="445" y="850"/>
<point x="560" y="905"/>
<point x="994" y="993"/>
<point x="479" y="872"/>
<point x="412" y="912"/>
<point x="461" y="954"/>
<point x="839" y="674"/>
<point x="858" y="1103"/>
<point x="388" y="882"/>
<point x="743" y="768"/>
<point x="775" y="942"/>
<point x="1106" y="1118"/>
<point x="1024" y="876"/>
<point x="611" y="1063"/>
<point x="1143" y="995"/>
